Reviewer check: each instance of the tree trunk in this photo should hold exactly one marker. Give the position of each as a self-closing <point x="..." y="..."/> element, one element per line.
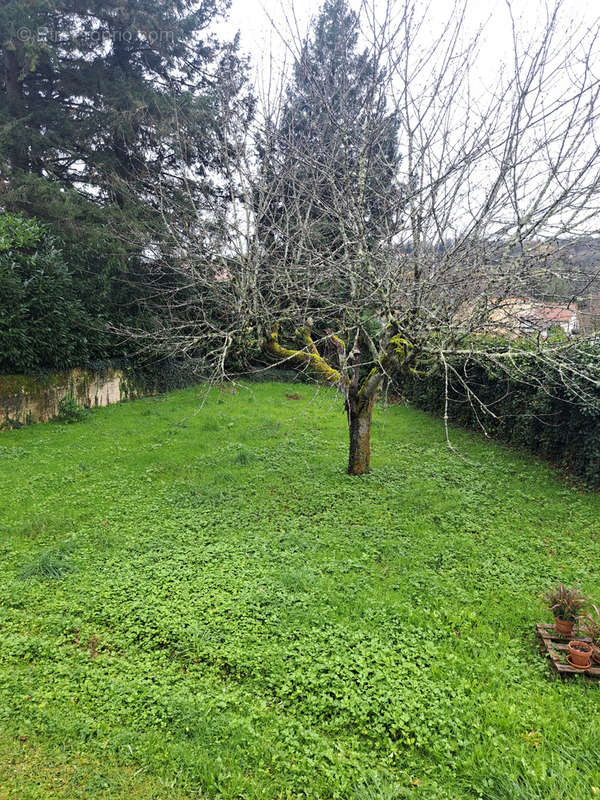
<point x="360" y="411"/>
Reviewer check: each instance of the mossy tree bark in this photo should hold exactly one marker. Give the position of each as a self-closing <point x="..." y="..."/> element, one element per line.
<point x="360" y="411"/>
<point x="359" y="394"/>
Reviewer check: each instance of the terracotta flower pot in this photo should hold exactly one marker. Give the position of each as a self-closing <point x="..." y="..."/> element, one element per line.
<point x="563" y="626"/>
<point x="581" y="653"/>
<point x="596" y="654"/>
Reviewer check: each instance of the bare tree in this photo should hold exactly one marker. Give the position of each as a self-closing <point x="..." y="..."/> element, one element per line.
<point x="320" y="262"/>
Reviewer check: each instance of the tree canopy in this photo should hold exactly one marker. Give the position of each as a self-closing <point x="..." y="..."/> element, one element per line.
<point x="333" y="149"/>
<point x="111" y="100"/>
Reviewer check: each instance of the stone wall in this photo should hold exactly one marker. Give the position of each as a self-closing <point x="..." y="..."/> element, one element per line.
<point x="25" y="399"/>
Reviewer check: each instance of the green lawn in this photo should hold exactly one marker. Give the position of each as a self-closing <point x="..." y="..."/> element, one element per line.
<point x="196" y="601"/>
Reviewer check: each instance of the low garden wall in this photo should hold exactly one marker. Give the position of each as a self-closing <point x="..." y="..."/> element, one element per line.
<point x="25" y="399"/>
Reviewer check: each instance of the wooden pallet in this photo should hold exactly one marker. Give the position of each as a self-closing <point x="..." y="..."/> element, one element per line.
<point x="556" y="647"/>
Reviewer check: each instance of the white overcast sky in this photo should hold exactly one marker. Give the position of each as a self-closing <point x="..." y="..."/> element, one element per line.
<point x="258" y="39"/>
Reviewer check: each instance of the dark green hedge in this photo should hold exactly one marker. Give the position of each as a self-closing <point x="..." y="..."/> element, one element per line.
<point x="553" y="422"/>
<point x="57" y="297"/>
<point x="42" y="321"/>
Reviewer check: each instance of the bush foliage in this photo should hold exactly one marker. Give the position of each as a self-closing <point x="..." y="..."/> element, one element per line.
<point x="541" y="415"/>
<point x="58" y="294"/>
<point x="69" y="410"/>
<point x="41" y="318"/>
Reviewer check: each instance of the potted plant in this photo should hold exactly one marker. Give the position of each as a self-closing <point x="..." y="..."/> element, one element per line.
<point x="566" y="605"/>
<point x="580" y="654"/>
<point x="591" y="626"/>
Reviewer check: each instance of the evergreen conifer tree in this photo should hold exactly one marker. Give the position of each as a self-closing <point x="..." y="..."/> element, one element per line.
<point x="335" y="143"/>
<point x="116" y="100"/>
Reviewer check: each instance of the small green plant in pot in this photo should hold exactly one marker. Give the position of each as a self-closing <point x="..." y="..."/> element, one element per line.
<point x="566" y="605"/>
<point x="591" y="626"/>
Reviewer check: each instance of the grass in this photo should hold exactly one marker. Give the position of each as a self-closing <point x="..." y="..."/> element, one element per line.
<point x="196" y="601"/>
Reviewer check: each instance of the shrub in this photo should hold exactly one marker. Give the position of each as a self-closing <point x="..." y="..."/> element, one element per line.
<point x="41" y="319"/>
<point x="69" y="410"/>
<point x="566" y="604"/>
<point x="542" y="416"/>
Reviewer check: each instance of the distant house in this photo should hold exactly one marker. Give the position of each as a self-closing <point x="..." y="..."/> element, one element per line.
<point x="546" y="317"/>
<point x="518" y="316"/>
